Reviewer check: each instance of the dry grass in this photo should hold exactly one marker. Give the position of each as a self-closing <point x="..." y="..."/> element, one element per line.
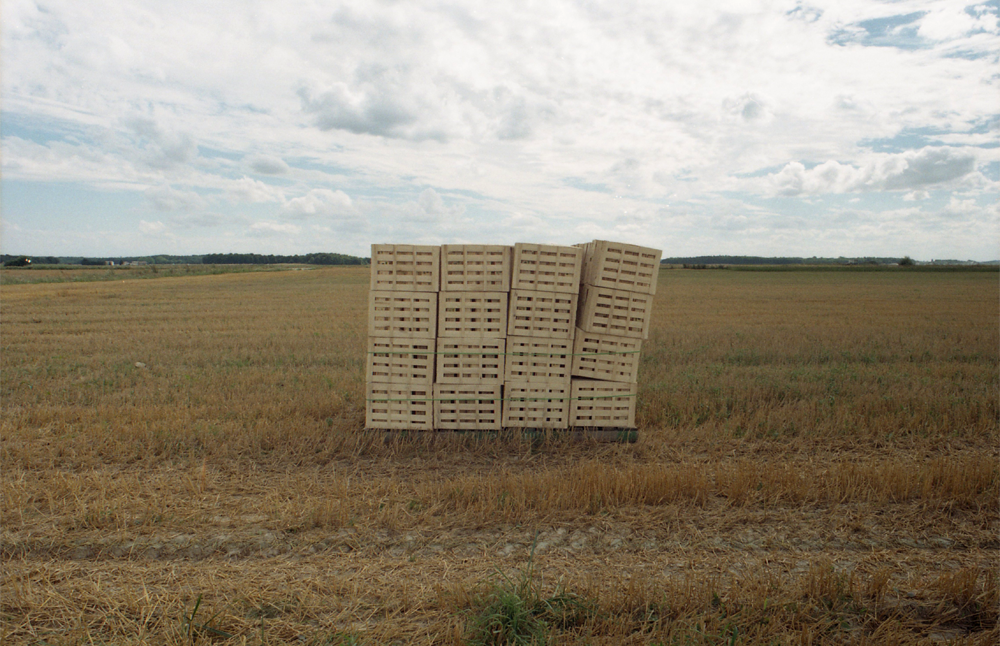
<point x="817" y="463"/>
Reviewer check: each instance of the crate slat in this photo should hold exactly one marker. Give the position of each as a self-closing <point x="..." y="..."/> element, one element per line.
<point x="617" y="265"/>
<point x="406" y="268"/>
<point x="606" y="357"/>
<point x="546" y="268"/>
<point x="545" y="315"/>
<point x="472" y="315"/>
<point x="528" y="405"/>
<point x="410" y="315"/>
<point x="399" y="407"/>
<point x="468" y="407"/>
<point x="602" y="403"/>
<point x="534" y="360"/>
<point x="461" y="361"/>
<point x="475" y="268"/>
<point x="400" y="361"/>
<point x="614" y="312"/>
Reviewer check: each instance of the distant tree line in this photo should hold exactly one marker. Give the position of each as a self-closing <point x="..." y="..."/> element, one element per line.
<point x="20" y="261"/>
<point x="271" y="259"/>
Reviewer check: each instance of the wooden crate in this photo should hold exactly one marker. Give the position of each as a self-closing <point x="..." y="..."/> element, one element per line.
<point x="542" y="405"/>
<point x="405" y="268"/>
<point x="472" y="315"/>
<point x="533" y="360"/>
<point x="400" y="361"/>
<point x="475" y="268"/>
<point x="614" y="312"/>
<point x="602" y="356"/>
<point x="404" y="315"/>
<point x="544" y="315"/>
<point x="470" y="361"/>
<point x="616" y="265"/>
<point x="547" y="268"/>
<point x="468" y="407"/>
<point x="400" y="407"/>
<point x="602" y="404"/>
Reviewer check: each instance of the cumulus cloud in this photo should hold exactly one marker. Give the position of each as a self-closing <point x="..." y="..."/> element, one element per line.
<point x="911" y="170"/>
<point x="379" y="102"/>
<point x="166" y="198"/>
<point x="253" y="191"/>
<point x="750" y="107"/>
<point x="162" y="150"/>
<point x="320" y="203"/>
<point x="948" y="22"/>
<point x="266" y="164"/>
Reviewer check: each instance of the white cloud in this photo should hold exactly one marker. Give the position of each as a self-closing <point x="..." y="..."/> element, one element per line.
<point x="266" y="164"/>
<point x="166" y="198"/>
<point x="910" y="170"/>
<point x="246" y="190"/>
<point x="320" y="203"/>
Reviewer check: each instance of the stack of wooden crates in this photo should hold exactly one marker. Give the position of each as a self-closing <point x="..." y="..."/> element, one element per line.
<point x="616" y="304"/>
<point x="484" y="337"/>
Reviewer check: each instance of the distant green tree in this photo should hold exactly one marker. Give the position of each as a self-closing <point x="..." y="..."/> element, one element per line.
<point x="906" y="262"/>
<point x="23" y="261"/>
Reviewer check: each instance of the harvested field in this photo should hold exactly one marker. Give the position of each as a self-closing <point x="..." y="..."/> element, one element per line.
<point x="817" y="463"/>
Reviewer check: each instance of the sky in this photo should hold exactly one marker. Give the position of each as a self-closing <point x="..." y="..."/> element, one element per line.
<point x="768" y="128"/>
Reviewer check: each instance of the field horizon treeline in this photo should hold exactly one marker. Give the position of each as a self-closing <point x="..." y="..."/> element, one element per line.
<point x="332" y="258"/>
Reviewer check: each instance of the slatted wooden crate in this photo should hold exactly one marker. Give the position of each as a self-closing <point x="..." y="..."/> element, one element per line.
<point x="406" y="315"/>
<point x="405" y="268"/>
<point x="545" y="315"/>
<point x="400" y="407"/>
<point x="475" y="268"/>
<point x="543" y="405"/>
<point x="532" y="360"/>
<point x="602" y="356"/>
<point x="616" y="265"/>
<point x="614" y="312"/>
<point x="472" y="315"/>
<point x="468" y="407"/>
<point x="400" y="361"/>
<point x="547" y="268"/>
<point x="470" y="361"/>
<point x="602" y="403"/>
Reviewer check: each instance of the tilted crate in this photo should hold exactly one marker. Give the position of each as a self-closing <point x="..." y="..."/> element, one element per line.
<point x="478" y="361"/>
<point x="602" y="356"/>
<point x="614" y="312"/>
<point x="602" y="404"/>
<point x="400" y="407"/>
<point x="475" y="268"/>
<point x="409" y="315"/>
<point x="543" y="405"/>
<point x="468" y="407"/>
<point x="472" y="315"/>
<point x="538" y="360"/>
<point x="400" y="361"/>
<point x="405" y="268"/>
<point x="616" y="265"/>
<point x="546" y="268"/>
<point x="546" y="315"/>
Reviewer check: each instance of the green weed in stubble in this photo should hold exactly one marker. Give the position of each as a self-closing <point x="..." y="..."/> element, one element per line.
<point x="514" y="610"/>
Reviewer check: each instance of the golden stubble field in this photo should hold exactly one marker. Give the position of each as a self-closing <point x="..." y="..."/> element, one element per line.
<point x="818" y="463"/>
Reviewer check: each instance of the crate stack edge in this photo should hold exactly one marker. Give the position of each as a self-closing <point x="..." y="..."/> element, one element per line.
<point x="618" y="283"/>
<point x="545" y="286"/>
<point x="472" y="336"/>
<point x="402" y="337"/>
